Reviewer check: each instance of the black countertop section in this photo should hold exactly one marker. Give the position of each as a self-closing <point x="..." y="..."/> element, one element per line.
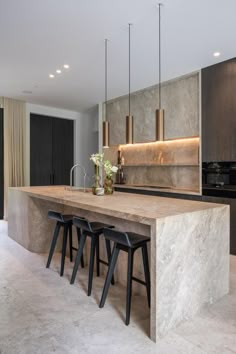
<point x="154" y="191"/>
<point x="225" y="191"/>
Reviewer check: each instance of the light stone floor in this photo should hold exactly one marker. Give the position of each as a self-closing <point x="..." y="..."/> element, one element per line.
<point x="42" y="313"/>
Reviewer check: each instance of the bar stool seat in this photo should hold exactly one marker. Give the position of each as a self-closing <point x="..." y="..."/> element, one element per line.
<point x="65" y="221"/>
<point x="128" y="242"/>
<point x="136" y="239"/>
<point x="93" y="230"/>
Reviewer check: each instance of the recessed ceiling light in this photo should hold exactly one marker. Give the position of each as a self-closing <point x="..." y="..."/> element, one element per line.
<point x="58" y="71"/>
<point x="51" y="76"/>
<point x="216" y="54"/>
<point x="66" y="66"/>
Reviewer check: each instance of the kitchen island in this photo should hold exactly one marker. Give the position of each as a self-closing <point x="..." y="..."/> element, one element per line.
<point x="189" y="248"/>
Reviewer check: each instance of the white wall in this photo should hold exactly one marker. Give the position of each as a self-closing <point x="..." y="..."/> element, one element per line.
<point x="86" y="143"/>
<point x="85" y="135"/>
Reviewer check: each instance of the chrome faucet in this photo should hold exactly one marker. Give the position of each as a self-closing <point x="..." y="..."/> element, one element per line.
<point x="71" y="174"/>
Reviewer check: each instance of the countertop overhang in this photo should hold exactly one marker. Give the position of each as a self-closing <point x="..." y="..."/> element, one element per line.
<point x="136" y="207"/>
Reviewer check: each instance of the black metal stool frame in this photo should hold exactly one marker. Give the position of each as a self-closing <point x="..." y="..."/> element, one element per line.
<point x="67" y="226"/>
<point x="86" y="230"/>
<point x="127" y="247"/>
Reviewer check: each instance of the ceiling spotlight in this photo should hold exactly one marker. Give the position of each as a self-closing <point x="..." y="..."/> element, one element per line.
<point x="216" y="54"/>
<point x="51" y="76"/>
<point x="58" y="71"/>
<point x="66" y="66"/>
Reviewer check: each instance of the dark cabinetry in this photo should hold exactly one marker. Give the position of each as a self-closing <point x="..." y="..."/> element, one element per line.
<point x="219" y="112"/>
<point x="51" y="150"/>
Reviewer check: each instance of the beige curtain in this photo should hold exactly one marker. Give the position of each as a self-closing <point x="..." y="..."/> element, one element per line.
<point x="14" y="145"/>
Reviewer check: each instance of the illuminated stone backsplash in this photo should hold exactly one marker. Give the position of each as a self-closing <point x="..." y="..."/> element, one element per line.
<point x="173" y="164"/>
<point x="180" y="152"/>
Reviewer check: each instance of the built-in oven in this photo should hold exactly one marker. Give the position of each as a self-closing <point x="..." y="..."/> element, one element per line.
<point x="219" y="179"/>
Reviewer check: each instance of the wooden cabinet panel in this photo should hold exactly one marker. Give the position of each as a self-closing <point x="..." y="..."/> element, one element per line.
<point x="219" y="112"/>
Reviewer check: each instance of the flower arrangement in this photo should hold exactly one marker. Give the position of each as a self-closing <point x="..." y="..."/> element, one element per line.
<point x="109" y="169"/>
<point x="97" y="159"/>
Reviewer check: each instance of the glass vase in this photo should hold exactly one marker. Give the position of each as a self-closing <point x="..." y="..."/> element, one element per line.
<point x="97" y="178"/>
<point x="108" y="185"/>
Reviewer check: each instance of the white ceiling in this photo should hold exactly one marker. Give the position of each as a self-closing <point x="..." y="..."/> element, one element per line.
<point x="37" y="37"/>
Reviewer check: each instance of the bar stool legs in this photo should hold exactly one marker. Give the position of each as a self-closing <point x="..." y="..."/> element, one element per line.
<point x="78" y="237"/>
<point x="53" y="244"/>
<point x="146" y="271"/>
<point x="129" y="284"/>
<point x="128" y="242"/>
<point x="70" y="243"/>
<point x="67" y="228"/>
<point x="109" y="276"/>
<point x="94" y="246"/>
<point x="78" y="256"/>
<point x="97" y="258"/>
<point x="63" y="254"/>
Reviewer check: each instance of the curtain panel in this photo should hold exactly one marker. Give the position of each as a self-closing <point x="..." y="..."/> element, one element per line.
<point x="14" y="145"/>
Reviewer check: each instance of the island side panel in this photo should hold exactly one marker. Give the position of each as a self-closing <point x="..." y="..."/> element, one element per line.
<point x="192" y="264"/>
<point x="28" y="223"/>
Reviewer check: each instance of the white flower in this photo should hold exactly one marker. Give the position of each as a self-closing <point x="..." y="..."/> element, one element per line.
<point x="114" y="169"/>
<point x="97" y="159"/>
<point x="109" y="169"/>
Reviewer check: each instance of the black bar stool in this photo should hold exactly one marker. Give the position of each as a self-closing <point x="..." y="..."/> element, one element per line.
<point x="128" y="242"/>
<point x="66" y="222"/>
<point x="93" y="230"/>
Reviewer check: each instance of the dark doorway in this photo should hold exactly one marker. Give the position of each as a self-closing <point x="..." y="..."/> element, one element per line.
<point x="51" y="150"/>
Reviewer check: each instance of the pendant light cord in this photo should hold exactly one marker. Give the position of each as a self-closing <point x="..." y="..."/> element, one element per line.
<point x="129" y="67"/>
<point x="159" y="5"/>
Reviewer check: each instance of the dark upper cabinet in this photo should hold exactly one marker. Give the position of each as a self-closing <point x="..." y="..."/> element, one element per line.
<point x="219" y="112"/>
<point x="51" y="150"/>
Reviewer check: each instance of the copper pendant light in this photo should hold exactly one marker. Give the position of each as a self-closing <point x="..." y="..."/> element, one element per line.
<point x="105" y="125"/>
<point x="160" y="111"/>
<point x="129" y="118"/>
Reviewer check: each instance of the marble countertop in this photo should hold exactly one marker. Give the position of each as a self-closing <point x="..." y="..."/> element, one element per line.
<point x="141" y="208"/>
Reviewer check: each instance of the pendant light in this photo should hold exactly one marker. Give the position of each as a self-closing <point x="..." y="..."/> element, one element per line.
<point x="160" y="111"/>
<point x="129" y="118"/>
<point x="105" y="123"/>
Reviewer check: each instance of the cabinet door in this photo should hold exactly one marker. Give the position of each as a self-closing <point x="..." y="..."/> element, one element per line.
<point x="62" y="152"/>
<point x="1" y="166"/>
<point x="40" y="150"/>
<point x="219" y="112"/>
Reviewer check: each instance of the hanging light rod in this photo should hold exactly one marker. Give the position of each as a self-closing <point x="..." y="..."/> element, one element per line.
<point x="129" y="118"/>
<point x="105" y="123"/>
<point x="160" y="111"/>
